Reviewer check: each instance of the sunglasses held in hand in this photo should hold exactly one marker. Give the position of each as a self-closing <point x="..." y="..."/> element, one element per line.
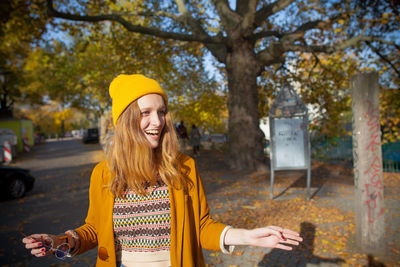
<point x="61" y="251"/>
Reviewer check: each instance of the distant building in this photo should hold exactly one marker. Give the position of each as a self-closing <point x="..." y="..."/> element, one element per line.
<point x="264" y="126"/>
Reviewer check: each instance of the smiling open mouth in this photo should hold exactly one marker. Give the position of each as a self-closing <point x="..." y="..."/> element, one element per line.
<point x="153" y="132"/>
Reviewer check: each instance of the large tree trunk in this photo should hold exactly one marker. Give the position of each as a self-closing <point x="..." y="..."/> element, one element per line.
<point x="245" y="138"/>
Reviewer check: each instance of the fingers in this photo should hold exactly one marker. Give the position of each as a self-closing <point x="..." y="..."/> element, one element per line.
<point x="287" y="233"/>
<point x="277" y="232"/>
<point x="39" y="244"/>
<point x="286" y="237"/>
<point x="290" y="241"/>
<point x="40" y="252"/>
<point x="280" y="246"/>
<point x="284" y="230"/>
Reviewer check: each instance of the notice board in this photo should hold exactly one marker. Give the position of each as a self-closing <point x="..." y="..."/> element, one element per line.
<point x="289" y="143"/>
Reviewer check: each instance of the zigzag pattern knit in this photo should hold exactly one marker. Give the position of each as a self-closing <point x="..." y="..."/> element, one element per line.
<point x="143" y="223"/>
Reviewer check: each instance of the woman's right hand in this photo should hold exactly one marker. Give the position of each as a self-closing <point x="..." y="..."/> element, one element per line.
<point x="39" y="244"/>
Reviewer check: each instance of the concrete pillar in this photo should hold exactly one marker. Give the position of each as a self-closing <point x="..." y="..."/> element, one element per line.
<point x="367" y="157"/>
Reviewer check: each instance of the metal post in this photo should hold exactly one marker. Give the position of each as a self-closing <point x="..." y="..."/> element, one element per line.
<point x="271" y="194"/>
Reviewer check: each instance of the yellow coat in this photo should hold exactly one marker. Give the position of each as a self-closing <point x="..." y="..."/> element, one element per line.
<point x="192" y="228"/>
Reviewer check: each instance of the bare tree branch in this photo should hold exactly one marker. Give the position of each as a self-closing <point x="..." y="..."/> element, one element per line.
<point x="383" y="57"/>
<point x="247" y="10"/>
<point x="203" y="38"/>
<point x="266" y="34"/>
<point x="229" y="18"/>
<point x="317" y="23"/>
<point x="300" y="31"/>
<point x="149" y="14"/>
<point x="270" y="9"/>
<point x="317" y="61"/>
<point x="271" y="55"/>
<point x="181" y="6"/>
<point x="277" y="49"/>
<point x="246" y="7"/>
<point x="328" y="49"/>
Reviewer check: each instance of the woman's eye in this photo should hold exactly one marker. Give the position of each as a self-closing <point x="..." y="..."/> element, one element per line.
<point x="144" y="113"/>
<point x="162" y="112"/>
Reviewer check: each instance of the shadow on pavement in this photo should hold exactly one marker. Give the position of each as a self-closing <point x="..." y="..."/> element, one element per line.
<point x="374" y="263"/>
<point x="299" y="256"/>
<point x="318" y="180"/>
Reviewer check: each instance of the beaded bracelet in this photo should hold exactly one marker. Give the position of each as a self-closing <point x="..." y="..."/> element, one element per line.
<point x="75" y="236"/>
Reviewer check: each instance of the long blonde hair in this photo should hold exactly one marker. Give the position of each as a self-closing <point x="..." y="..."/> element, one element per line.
<point x="134" y="164"/>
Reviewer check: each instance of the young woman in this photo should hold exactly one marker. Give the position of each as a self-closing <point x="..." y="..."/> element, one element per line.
<point x="147" y="202"/>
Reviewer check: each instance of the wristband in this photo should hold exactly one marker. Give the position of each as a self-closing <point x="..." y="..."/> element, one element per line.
<point x="225" y="249"/>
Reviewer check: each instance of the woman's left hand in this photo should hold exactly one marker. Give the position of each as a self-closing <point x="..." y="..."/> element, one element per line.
<point x="273" y="237"/>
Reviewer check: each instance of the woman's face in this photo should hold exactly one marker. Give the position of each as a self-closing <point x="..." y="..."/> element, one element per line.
<point x="152" y="117"/>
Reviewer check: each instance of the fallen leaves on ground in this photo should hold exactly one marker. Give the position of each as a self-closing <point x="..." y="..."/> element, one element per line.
<point x="326" y="225"/>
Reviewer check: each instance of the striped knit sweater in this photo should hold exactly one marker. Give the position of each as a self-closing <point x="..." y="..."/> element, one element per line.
<point x="143" y="223"/>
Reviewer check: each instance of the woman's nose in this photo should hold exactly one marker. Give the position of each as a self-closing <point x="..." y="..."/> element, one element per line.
<point x="155" y="119"/>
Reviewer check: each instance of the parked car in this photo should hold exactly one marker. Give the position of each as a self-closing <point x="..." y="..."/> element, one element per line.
<point x="15" y="182"/>
<point x="91" y="135"/>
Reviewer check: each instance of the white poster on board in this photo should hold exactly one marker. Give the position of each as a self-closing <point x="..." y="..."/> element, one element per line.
<point x="289" y="143"/>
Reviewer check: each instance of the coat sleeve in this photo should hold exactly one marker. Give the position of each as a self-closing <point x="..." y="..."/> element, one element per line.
<point x="87" y="232"/>
<point x="210" y="229"/>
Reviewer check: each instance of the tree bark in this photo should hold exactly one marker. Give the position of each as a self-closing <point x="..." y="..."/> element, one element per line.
<point x="245" y="137"/>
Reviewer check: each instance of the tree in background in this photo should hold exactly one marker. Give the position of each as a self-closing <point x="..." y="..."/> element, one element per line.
<point x="206" y="109"/>
<point x="323" y="85"/>
<point x="390" y="115"/>
<point x="22" y="23"/>
<point x="48" y="119"/>
<point x="76" y="72"/>
<point x="247" y="37"/>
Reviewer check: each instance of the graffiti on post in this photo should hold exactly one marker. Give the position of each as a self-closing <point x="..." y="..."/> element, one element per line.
<point x="374" y="186"/>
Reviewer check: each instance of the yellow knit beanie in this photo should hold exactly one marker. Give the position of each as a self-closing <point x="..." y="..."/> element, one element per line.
<point x="125" y="89"/>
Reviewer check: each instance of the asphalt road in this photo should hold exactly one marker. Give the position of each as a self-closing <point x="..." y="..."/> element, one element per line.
<point x="58" y="201"/>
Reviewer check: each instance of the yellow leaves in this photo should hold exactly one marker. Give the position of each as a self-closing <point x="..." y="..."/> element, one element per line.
<point x="337" y="30"/>
<point x="207" y="110"/>
<point x="248" y="207"/>
<point x="65" y="114"/>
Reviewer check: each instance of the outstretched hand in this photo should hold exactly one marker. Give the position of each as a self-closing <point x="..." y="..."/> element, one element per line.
<point x="273" y="237"/>
<point x="267" y="237"/>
